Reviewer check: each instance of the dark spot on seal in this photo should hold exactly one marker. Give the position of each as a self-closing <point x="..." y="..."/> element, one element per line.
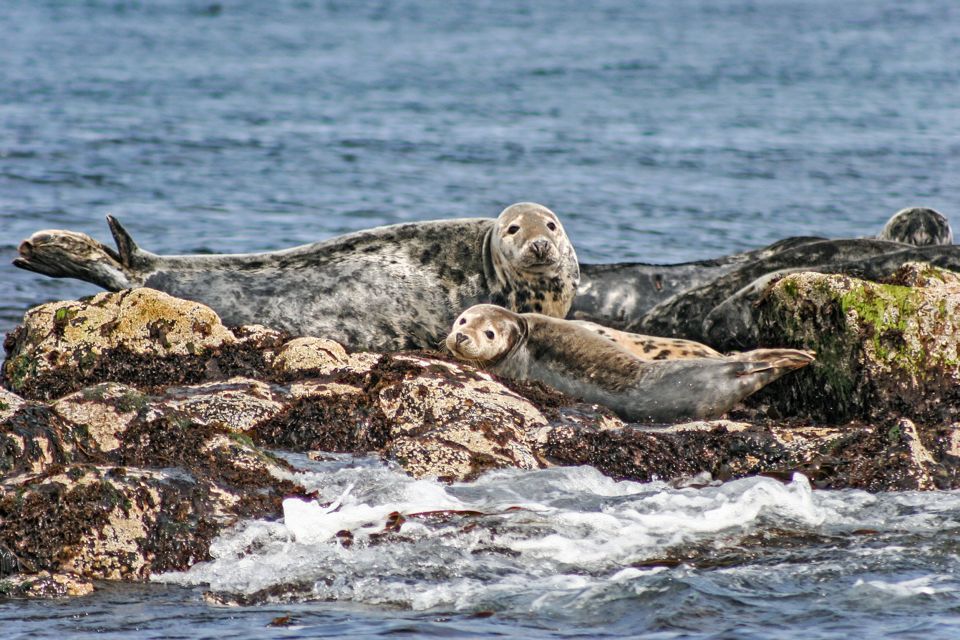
<point x="663" y="355"/>
<point x="647" y="347"/>
<point x="430" y="253"/>
<point x="537" y="307"/>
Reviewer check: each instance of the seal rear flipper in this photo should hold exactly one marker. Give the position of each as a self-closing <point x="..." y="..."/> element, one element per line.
<point x="770" y="364"/>
<point x="130" y="253"/>
<point x="68" y="254"/>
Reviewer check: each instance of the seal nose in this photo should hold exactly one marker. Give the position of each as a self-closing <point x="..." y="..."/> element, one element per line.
<point x="460" y="339"/>
<point x="540" y="248"/>
<point x="25" y="249"/>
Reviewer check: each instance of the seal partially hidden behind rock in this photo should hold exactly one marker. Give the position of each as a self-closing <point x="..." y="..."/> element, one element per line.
<point x="385" y="289"/>
<point x="919" y="226"/>
<point x="579" y="362"/>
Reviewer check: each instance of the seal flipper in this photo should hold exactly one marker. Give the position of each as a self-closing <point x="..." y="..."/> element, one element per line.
<point x="766" y="365"/>
<point x="125" y="244"/>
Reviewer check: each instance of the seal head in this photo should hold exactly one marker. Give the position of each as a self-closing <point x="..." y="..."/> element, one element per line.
<point x="532" y="264"/>
<point x="485" y="334"/>
<point x="919" y="226"/>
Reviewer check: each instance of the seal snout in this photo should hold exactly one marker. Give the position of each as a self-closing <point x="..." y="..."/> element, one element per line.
<point x="460" y="338"/>
<point x="539" y="253"/>
<point x="540" y="248"/>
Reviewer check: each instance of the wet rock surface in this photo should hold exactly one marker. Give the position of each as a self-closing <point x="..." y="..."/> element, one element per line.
<point x="135" y="427"/>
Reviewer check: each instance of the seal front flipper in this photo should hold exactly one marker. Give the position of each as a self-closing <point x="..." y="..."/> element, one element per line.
<point x="68" y="254"/>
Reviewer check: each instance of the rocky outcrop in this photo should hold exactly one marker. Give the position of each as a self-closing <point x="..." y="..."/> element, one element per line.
<point x="883" y="349"/>
<point x="135" y="426"/>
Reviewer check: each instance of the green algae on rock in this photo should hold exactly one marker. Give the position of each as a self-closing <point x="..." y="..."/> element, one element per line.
<point x="882" y="348"/>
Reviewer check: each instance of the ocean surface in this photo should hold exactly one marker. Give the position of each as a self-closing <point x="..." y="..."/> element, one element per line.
<point x="660" y="131"/>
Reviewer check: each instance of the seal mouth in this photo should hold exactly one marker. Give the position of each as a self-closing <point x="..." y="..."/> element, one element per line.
<point x="533" y="260"/>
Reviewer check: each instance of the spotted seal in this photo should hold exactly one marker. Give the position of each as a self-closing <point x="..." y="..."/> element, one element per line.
<point x="651" y="347"/>
<point x="712" y="301"/>
<point x="385" y="289"/>
<point x="577" y="361"/>
<point x="919" y="226"/>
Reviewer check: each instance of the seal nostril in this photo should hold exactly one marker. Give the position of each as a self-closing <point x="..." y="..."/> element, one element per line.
<point x="25" y="249"/>
<point x="461" y="338"/>
<point x="540" y="248"/>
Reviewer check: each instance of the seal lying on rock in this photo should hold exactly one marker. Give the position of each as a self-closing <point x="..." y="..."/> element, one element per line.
<point x="712" y="300"/>
<point x="385" y="289"/>
<point x="574" y="360"/>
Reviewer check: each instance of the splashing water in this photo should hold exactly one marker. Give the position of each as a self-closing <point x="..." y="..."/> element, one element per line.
<point x="569" y="544"/>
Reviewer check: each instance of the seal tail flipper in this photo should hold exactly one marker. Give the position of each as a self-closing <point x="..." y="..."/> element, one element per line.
<point x="760" y="367"/>
<point x="125" y="244"/>
<point x="68" y="254"/>
<point x="766" y="359"/>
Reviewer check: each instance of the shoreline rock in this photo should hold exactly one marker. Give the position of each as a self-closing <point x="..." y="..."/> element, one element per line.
<point x="135" y="427"/>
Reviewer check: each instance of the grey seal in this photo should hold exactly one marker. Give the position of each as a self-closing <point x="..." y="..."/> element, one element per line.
<point x="919" y="226"/>
<point x="577" y="361"/>
<point x="384" y="289"/>
<point x="711" y="301"/>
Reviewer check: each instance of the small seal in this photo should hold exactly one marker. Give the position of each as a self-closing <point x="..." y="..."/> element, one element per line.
<point x="577" y="361"/>
<point x="384" y="289"/>
<point x="651" y="347"/>
<point x="919" y="226"/>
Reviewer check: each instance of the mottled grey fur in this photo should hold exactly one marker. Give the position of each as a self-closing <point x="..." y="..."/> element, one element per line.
<point x="919" y="226"/>
<point x="385" y="289"/>
<point x="712" y="301"/>
<point x="577" y="361"/>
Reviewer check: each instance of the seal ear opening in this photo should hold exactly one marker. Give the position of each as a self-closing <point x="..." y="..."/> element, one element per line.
<point x="125" y="244"/>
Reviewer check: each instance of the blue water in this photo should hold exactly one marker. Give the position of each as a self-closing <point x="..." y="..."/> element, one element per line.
<point x="659" y="131"/>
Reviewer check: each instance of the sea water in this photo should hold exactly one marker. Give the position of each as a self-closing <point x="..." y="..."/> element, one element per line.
<point x="659" y="132"/>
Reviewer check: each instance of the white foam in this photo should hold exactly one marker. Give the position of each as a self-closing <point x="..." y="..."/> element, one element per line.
<point x="924" y="585"/>
<point x="571" y="543"/>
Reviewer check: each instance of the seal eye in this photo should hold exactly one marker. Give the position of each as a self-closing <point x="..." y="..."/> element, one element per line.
<point x="551" y="226"/>
<point x="512" y="229"/>
<point x="463" y="321"/>
<point x="489" y="334"/>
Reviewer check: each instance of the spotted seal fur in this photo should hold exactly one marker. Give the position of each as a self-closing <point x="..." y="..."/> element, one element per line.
<point x="577" y="361"/>
<point x="385" y="289"/>
<point x="918" y="226"/>
<point x="651" y="347"/>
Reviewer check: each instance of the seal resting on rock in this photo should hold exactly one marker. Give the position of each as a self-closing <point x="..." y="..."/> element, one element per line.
<point x="712" y="301"/>
<point x="577" y="361"/>
<point x="384" y="289"/>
